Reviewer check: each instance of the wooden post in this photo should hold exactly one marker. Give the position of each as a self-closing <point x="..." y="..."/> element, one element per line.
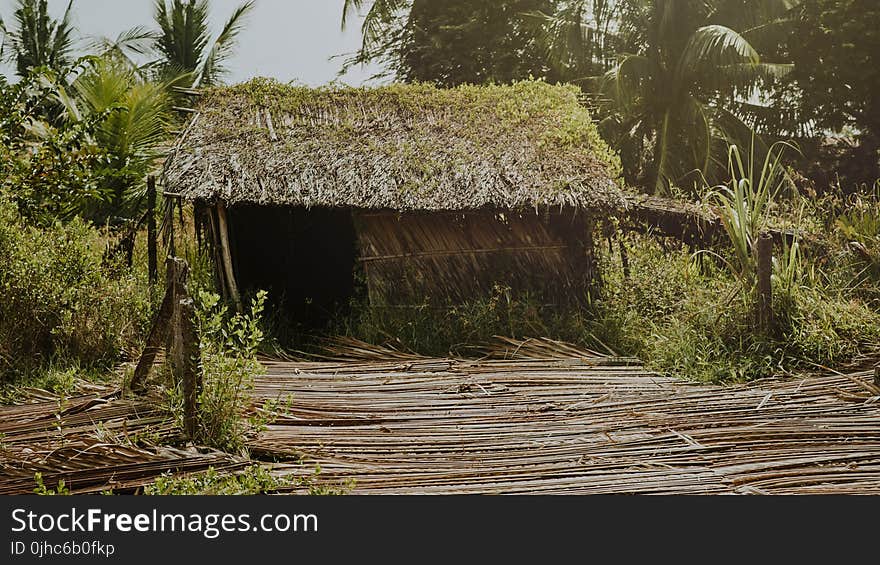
<point x="168" y="222"/>
<point x="185" y="360"/>
<point x="764" y="305"/>
<point x="624" y="259"/>
<point x="152" y="253"/>
<point x="176" y="276"/>
<point x="219" y="276"/>
<point x="223" y="226"/>
<point x="175" y="323"/>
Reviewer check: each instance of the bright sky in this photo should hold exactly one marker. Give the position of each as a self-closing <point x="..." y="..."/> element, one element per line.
<point x="284" y="39"/>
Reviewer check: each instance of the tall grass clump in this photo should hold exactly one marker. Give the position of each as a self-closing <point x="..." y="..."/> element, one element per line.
<point x="744" y="206"/>
<point x="693" y="314"/>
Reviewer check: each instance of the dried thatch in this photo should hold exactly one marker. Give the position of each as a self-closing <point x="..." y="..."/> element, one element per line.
<point x="402" y="147"/>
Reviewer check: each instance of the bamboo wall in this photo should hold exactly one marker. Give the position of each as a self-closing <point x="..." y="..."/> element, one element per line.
<point x="451" y="257"/>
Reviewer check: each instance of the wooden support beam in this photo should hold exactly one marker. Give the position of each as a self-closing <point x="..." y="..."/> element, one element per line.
<point x="216" y="261"/>
<point x="226" y="255"/>
<point x="187" y="360"/>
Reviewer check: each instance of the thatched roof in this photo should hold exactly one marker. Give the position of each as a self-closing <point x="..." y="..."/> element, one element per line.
<point x="405" y="147"/>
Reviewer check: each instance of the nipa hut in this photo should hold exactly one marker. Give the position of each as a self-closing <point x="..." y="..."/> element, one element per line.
<point x="427" y="195"/>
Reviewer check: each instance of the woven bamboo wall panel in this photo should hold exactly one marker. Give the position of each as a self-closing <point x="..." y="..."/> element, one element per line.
<point x="439" y="258"/>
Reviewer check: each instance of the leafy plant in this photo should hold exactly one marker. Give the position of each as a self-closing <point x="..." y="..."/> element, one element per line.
<point x="131" y="132"/>
<point x="255" y="479"/>
<point x="744" y="204"/>
<point x="229" y="345"/>
<point x="49" y="167"/>
<point x="42" y="490"/>
<point x="184" y="41"/>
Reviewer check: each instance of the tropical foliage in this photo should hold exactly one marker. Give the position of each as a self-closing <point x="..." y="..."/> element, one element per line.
<point x="680" y="89"/>
<point x="456" y="42"/>
<point x="184" y="44"/>
<point x="81" y="135"/>
<point x="38" y="40"/>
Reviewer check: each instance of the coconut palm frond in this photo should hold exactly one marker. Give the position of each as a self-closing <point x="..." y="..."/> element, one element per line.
<point x="213" y="66"/>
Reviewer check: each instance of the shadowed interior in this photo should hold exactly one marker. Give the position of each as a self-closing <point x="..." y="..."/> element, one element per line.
<point x="304" y="258"/>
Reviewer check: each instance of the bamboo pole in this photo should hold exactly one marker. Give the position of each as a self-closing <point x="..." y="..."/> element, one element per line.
<point x="219" y="277"/>
<point x="225" y="253"/>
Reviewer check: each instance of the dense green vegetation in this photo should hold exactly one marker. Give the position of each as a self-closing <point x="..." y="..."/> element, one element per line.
<point x="461" y="41"/>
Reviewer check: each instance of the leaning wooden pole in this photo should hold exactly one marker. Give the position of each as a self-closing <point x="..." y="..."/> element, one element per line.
<point x="152" y="244"/>
<point x="176" y="276"/>
<point x="175" y="324"/>
<point x="226" y="255"/>
<point x="764" y="304"/>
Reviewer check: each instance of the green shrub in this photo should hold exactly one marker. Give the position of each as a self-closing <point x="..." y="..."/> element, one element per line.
<point x="59" y="303"/>
<point x="255" y="479"/>
<point x="229" y="346"/>
<point x="42" y="490"/>
<point x="692" y="320"/>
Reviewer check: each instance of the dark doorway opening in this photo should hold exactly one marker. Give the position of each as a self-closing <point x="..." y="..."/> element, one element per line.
<point x="305" y="258"/>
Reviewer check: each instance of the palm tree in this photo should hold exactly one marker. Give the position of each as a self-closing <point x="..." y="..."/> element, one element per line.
<point x="127" y="118"/>
<point x="678" y="93"/>
<point x="378" y="20"/>
<point x="39" y="40"/>
<point x="129" y="47"/>
<point x="184" y="40"/>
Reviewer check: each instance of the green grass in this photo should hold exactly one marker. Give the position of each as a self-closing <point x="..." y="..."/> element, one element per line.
<point x="255" y="479"/>
<point x="687" y="316"/>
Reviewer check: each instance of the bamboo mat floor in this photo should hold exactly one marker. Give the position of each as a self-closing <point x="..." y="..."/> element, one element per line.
<point x="569" y="423"/>
<point x="532" y="417"/>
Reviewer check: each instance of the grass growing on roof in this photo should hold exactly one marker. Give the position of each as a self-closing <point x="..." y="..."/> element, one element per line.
<point x="411" y="146"/>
